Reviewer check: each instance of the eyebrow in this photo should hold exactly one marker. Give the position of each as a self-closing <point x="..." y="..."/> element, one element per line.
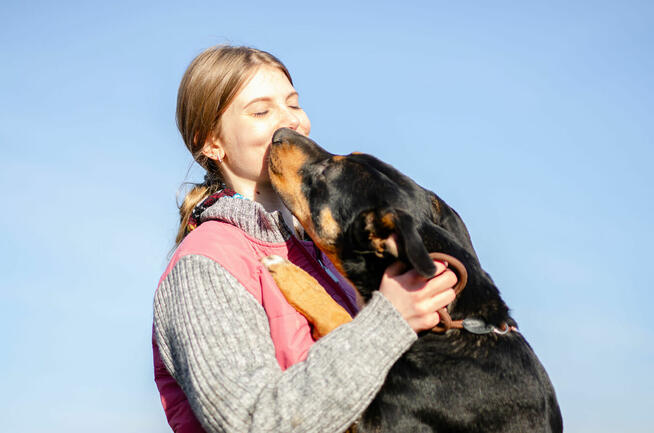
<point x="267" y="98"/>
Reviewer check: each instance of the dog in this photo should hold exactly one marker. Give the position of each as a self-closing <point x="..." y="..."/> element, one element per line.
<point x="474" y="373"/>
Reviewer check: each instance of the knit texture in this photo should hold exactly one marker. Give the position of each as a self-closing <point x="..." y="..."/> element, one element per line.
<point x="214" y="339"/>
<point x="249" y="216"/>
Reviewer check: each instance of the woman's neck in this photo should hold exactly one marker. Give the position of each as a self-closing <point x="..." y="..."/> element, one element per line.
<point x="264" y="194"/>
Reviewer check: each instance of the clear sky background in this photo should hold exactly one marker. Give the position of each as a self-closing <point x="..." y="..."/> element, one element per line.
<point x="533" y="119"/>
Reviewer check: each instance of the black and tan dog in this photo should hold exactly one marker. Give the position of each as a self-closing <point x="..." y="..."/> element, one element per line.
<point x="477" y="374"/>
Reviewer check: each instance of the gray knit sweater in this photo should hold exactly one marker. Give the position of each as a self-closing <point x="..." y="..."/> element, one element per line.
<point x="214" y="339"/>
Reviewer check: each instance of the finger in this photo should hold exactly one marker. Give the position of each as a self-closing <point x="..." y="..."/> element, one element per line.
<point x="416" y="278"/>
<point x="440" y="283"/>
<point x="431" y="320"/>
<point x="395" y="269"/>
<point x="441" y="266"/>
<point x="440" y="300"/>
<point x="436" y="320"/>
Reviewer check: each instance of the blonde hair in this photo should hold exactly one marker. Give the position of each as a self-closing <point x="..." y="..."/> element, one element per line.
<point x="208" y="86"/>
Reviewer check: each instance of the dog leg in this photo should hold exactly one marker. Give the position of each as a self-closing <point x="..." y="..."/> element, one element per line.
<point x="307" y="296"/>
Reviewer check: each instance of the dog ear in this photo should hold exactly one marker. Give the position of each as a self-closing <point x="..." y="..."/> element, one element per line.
<point x="393" y="232"/>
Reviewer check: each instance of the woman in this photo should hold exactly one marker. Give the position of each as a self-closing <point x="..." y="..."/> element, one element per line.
<point x="230" y="353"/>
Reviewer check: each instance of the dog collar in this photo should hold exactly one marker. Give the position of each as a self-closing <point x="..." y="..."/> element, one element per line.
<point x="470" y="324"/>
<point x="478" y="326"/>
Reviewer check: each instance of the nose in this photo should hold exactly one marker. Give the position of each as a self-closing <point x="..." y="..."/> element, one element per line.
<point x="291" y="120"/>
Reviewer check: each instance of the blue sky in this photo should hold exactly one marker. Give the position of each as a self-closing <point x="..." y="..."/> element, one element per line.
<point x="533" y="119"/>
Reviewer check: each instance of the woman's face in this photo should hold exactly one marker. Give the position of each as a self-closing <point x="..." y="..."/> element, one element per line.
<point x="266" y="103"/>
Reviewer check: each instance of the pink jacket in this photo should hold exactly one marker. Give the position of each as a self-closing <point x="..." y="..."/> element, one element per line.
<point x="240" y="255"/>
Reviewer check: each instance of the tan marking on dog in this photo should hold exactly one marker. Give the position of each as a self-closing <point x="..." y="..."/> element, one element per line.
<point x="388" y="221"/>
<point x="328" y="225"/>
<point x="384" y="245"/>
<point x="379" y="244"/>
<point x="370" y="222"/>
<point x="338" y="158"/>
<point x="328" y="247"/>
<point x="288" y="162"/>
<point x="436" y="204"/>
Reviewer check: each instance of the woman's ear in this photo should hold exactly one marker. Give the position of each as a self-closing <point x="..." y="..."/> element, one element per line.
<point x="393" y="232"/>
<point x="213" y="149"/>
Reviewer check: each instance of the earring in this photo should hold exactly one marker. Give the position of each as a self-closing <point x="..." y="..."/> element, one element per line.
<point x="218" y="157"/>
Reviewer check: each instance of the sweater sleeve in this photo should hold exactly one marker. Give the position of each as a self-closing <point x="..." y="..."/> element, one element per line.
<point x="214" y="339"/>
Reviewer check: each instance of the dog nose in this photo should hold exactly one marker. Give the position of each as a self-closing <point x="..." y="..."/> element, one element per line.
<point x="284" y="134"/>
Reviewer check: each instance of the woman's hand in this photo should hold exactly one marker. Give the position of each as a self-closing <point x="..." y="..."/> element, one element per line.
<point x="417" y="298"/>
